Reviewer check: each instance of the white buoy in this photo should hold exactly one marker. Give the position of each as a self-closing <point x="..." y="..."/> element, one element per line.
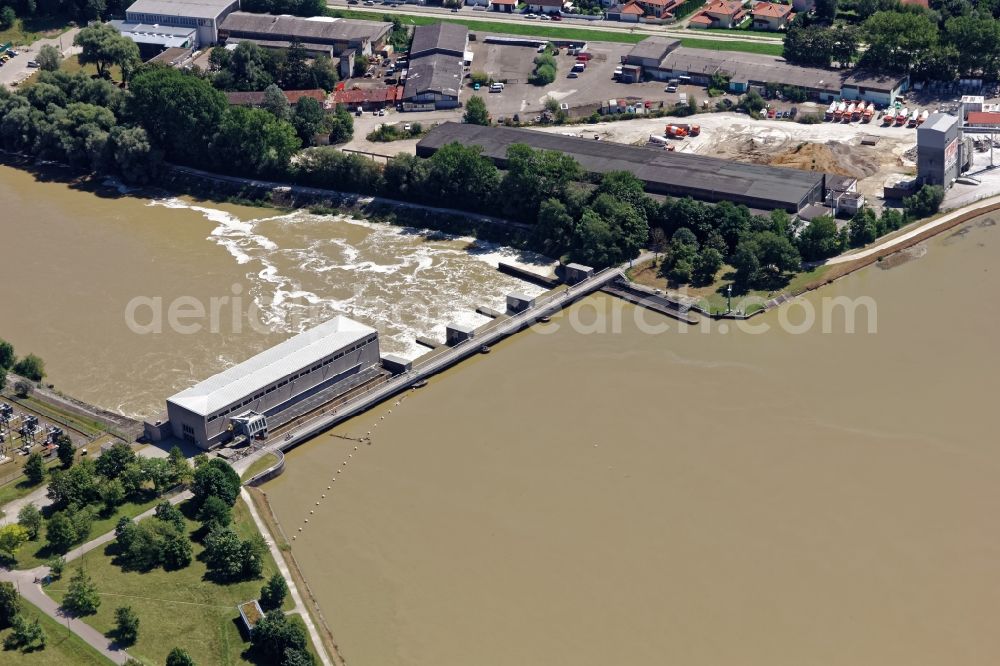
<point x="311" y="512"/>
<point x="355" y="448"/>
<point x="307" y="520"/>
<point x="324" y="496"/>
<point x="317" y="503"/>
<point x="350" y="455"/>
<point x="328" y="488"/>
<point x="294" y="537"/>
<point x="338" y="471"/>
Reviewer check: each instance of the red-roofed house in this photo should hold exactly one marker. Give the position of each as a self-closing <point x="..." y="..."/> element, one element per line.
<point x="368" y="98"/>
<point x="630" y="12"/>
<point x="719" y="14"/>
<point x="659" y="9"/>
<point x="504" y="5"/>
<point x="771" y="16"/>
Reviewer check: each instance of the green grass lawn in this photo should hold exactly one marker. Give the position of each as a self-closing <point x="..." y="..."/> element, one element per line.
<point x="259" y="466"/>
<point x="56" y="413"/>
<point x="26" y="31"/>
<point x="61" y="647"/>
<point x="176" y="608"/>
<point x="35" y="553"/>
<point x="576" y="34"/>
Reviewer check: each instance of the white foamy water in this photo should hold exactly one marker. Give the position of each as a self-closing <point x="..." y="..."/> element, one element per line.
<point x="304" y="268"/>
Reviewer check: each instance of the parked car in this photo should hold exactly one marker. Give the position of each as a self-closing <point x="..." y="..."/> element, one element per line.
<point x="359" y="111"/>
<point x="556" y="17"/>
<point x="530" y="16"/>
<point x="573" y="75"/>
<point x="32" y="63"/>
<point x="545" y="17"/>
<point x="381" y="112"/>
<point x="407" y="127"/>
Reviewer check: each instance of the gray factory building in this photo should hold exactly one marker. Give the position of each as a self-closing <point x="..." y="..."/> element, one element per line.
<point x="337" y="354"/>
<point x="663" y="172"/>
<point x="938" y="148"/>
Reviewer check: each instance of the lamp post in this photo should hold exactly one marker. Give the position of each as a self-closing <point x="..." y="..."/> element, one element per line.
<point x="729" y="299"/>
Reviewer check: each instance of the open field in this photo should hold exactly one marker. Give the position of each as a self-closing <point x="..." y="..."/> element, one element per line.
<point x="175" y="608"/>
<point x="62" y="648"/>
<point x="26" y="31"/>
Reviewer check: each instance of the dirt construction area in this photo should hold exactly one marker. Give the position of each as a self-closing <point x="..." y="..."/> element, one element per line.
<point x="869" y="152"/>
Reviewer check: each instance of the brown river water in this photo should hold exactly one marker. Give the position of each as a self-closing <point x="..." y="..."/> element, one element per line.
<point x="71" y="262"/>
<point x="582" y="497"/>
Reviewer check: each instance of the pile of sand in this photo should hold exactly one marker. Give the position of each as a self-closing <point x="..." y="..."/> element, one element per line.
<point x="832" y="157"/>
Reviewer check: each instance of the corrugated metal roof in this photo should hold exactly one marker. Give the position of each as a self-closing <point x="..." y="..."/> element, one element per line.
<point x="938" y="122"/>
<point x="700" y="176"/>
<point x="269" y="366"/>
<point x="436" y="73"/>
<point x="189" y="8"/>
<point x="241" y="24"/>
<point x="439" y="36"/>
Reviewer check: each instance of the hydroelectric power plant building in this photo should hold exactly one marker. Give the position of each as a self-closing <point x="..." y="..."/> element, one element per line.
<point x="285" y="381"/>
<point x="710" y="179"/>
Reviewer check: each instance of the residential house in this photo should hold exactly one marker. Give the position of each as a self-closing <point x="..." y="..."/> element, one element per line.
<point x="771" y="16"/>
<point x="479" y="3"/>
<point x="630" y="12"/>
<point x="658" y="9"/>
<point x="545" y="6"/>
<point x="719" y="14"/>
<point x="503" y="6"/>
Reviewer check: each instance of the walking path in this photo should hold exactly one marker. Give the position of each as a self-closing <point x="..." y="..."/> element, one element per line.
<point x="26" y="581"/>
<point x="913" y="233"/>
<point x="300" y="607"/>
<point x="37" y="497"/>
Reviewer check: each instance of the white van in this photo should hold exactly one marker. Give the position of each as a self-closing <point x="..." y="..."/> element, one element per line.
<point x="496" y="87"/>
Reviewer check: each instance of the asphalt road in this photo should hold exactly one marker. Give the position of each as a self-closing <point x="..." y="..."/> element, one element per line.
<point x="467" y="13"/>
<point x="16" y="70"/>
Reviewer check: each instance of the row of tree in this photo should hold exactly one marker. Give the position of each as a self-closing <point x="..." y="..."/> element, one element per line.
<point x="249" y="67"/>
<point x="942" y="45"/>
<point x="30" y="367"/>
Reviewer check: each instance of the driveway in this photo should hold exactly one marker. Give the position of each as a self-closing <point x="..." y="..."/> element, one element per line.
<point x="16" y="70"/>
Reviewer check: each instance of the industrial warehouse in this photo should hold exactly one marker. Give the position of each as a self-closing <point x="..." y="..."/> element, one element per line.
<point x="312" y="368"/>
<point x="663" y="172"/>
<point x="664" y="59"/>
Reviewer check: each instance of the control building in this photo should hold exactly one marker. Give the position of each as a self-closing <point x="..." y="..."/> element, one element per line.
<point x="278" y="384"/>
<point x="938" y="150"/>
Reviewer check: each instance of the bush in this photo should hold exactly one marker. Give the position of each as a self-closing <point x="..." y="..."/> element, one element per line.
<point x="30" y="367"/>
<point x="924" y="203"/>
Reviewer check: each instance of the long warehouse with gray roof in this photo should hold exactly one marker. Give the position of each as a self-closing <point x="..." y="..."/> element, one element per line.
<point x="663" y="172"/>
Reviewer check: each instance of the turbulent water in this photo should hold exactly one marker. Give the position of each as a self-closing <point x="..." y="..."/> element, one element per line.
<point x="72" y="262"/>
<point x="718" y="497"/>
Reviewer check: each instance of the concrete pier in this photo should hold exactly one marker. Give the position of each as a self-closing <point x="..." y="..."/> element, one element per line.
<point x="650" y="300"/>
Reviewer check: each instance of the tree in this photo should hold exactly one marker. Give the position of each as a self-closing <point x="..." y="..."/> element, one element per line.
<point x="924" y="203"/>
<point x="863" y="228"/>
<point x="103" y="46"/>
<point x="898" y="41"/>
<point x="179" y="657"/>
<point x="746" y="263"/>
<point x="3" y="379"/>
<point x="60" y="533"/>
<point x="680" y="272"/>
<point x="214" y="512"/>
<point x="27" y="635"/>
<point x="7" y="357"/>
<point x="341" y="125"/>
<point x="181" y="112"/>
<point x="294" y="657"/>
<point x="23" y="388"/>
<point x="126" y="625"/>
<point x="113" y="462"/>
<point x="176" y="553"/>
<point x="7" y="18"/>
<point x="34" y="468"/>
<point x="826" y="11"/>
<point x="706" y="265"/>
<point x="49" y="58"/>
<point x="30" y="367"/>
<point x="274" y="591"/>
<point x="253" y="142"/>
<point x="475" y="111"/>
<point x="12" y="537"/>
<point x="66" y="450"/>
<point x="274" y="633"/>
<point x="819" y="240"/>
<point x="10" y="604"/>
<point x="532" y="176"/>
<point x="295" y="74"/>
<point x="218" y="478"/>
<point x="30" y="518"/>
<point x="555" y="227"/>
<point x="275" y="102"/>
<point x="752" y="102"/>
<point x="78" y="486"/>
<point x="308" y="118"/>
<point x="81" y="595"/>
<point x="134" y="155"/>
<point x="977" y="40"/>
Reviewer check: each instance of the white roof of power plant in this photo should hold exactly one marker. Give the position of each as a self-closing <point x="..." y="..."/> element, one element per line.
<point x="270" y="366"/>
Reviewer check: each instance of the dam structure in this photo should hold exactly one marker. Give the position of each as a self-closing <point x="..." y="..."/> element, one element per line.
<point x="330" y="373"/>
